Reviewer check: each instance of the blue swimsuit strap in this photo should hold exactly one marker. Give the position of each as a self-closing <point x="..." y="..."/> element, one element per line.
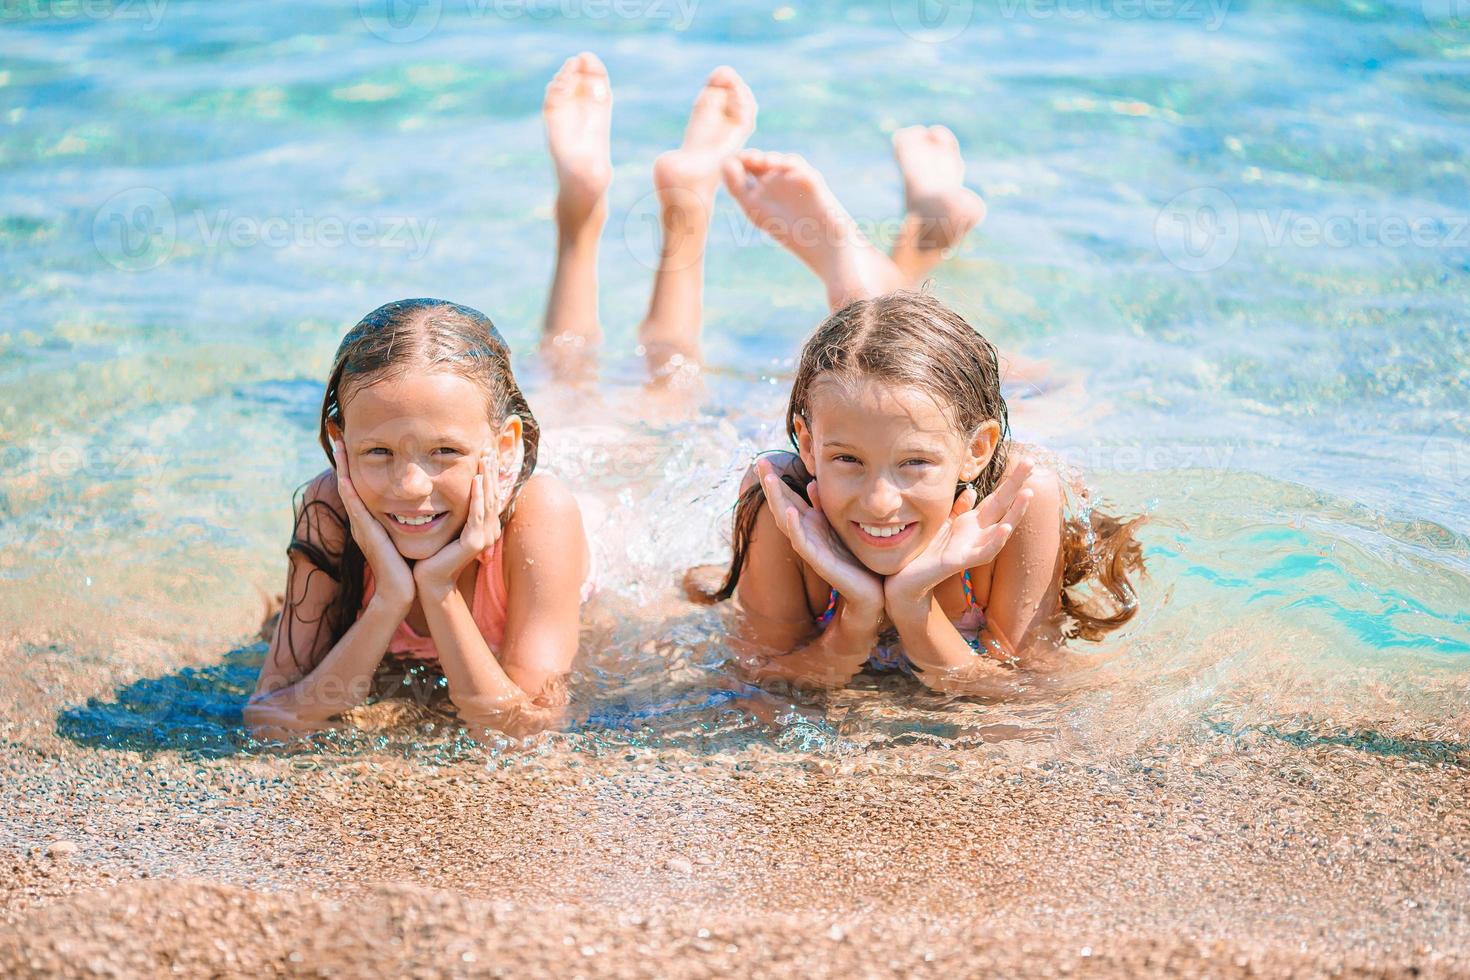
<point x="827" y="614"/>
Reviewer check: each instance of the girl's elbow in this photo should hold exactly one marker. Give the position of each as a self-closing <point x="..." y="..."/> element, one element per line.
<point x="275" y="715"/>
<point x="519" y="720"/>
<point x="268" y="721"/>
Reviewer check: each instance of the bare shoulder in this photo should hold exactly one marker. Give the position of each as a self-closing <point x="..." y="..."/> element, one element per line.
<point x="547" y="517"/>
<point x="1047" y="492"/>
<point x="1039" y="531"/>
<point x="545" y="497"/>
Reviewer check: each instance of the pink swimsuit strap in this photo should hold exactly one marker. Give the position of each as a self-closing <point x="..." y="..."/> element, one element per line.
<point x="488" y="607"/>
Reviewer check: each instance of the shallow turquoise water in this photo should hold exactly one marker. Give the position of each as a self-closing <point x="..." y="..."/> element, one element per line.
<point x="1243" y="229"/>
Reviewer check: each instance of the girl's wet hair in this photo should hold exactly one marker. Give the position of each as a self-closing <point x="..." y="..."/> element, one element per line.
<point x="913" y="340"/>
<point x="428" y="335"/>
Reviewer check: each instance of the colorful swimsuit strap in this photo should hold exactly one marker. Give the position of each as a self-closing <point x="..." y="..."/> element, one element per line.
<point x="827" y="614"/>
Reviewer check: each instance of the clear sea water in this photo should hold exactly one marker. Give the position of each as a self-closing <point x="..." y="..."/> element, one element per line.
<point x="1237" y="233"/>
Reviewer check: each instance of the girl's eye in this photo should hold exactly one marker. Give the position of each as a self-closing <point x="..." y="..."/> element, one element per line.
<point x="844" y="458"/>
<point x="917" y="462"/>
<point x="377" y="451"/>
<point x="448" y="449"/>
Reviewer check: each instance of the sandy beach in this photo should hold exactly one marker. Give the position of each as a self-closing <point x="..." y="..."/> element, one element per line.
<point x="1232" y="857"/>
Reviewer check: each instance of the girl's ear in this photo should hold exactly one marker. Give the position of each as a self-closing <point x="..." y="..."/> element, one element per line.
<point x="510" y="453"/>
<point x="804" y="445"/>
<point x="981" y="449"/>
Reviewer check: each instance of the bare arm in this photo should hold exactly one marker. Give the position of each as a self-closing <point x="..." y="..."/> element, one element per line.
<point x="289" y="697"/>
<point x="1025" y="586"/>
<point x="523" y="690"/>
<point x="773" y="626"/>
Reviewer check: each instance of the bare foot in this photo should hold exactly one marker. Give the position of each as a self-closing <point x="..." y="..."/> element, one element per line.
<point x="578" y="113"/>
<point x="721" y="121"/>
<point x="685" y="181"/>
<point x="787" y="198"/>
<point x="941" y="209"/>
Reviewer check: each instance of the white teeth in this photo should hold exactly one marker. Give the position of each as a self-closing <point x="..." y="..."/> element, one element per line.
<point x="883" y="532"/>
<point x="414" y="521"/>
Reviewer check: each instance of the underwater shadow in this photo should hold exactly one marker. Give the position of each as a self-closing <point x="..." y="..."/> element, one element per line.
<point x="195" y="711"/>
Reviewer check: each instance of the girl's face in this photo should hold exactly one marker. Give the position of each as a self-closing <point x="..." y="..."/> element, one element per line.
<point x="887" y="460"/>
<point x="413" y="445"/>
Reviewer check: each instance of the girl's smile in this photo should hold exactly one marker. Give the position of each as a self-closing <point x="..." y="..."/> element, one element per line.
<point x="885" y="535"/>
<point x="419" y="523"/>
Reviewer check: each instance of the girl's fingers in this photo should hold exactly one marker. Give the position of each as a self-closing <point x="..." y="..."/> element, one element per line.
<point x="477" y="503"/>
<point x="964" y="502"/>
<point x="344" y="480"/>
<point x="794" y="532"/>
<point x="492" y="499"/>
<point x="998" y="503"/>
<point x="348" y="492"/>
<point x="780" y="497"/>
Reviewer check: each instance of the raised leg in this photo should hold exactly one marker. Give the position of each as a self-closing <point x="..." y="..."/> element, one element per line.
<point x="578" y="114"/>
<point x="686" y="180"/>
<point x="787" y="198"/>
<point x="941" y="210"/>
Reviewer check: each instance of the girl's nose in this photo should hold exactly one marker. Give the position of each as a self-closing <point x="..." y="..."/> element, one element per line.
<point x="412" y="481"/>
<point x="881" y="497"/>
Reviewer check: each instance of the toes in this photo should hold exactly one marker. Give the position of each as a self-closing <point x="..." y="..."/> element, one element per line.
<point x="905" y="134"/>
<point x="724" y="76"/>
<point x="755" y="162"/>
<point x="562" y="80"/>
<point x="736" y="176"/>
<point x="594" y="75"/>
<point x="744" y="98"/>
<point x="944" y="136"/>
<point x="590" y="64"/>
<point x="793" y="161"/>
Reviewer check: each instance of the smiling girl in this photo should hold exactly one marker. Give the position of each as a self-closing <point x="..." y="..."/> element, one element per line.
<point x="903" y="533"/>
<point x="431" y="541"/>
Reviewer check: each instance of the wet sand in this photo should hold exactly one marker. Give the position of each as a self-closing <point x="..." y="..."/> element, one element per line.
<point x="1222" y="857"/>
